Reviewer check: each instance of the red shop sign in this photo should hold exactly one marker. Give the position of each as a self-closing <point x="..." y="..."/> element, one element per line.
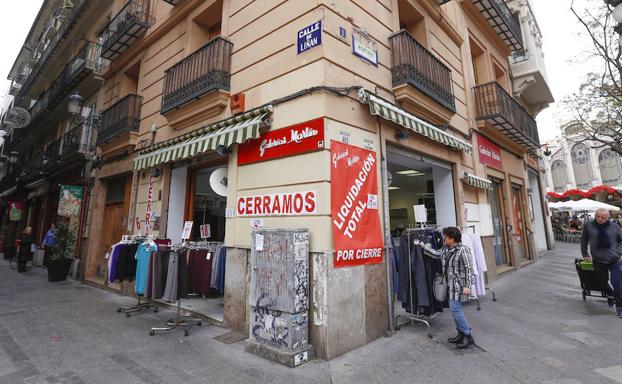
<point x="278" y="204"/>
<point x="354" y="206"/>
<point x="290" y="141"/>
<point x="489" y="152"/>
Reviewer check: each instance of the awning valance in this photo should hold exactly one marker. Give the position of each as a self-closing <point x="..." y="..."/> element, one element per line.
<point x="476" y="181"/>
<point x="237" y="129"/>
<point x="392" y="112"/>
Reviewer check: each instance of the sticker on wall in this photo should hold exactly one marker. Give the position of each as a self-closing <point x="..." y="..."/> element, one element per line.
<point x="345" y="137"/>
<point x="368" y="144"/>
<point x="257" y="223"/>
<point x="343" y="33"/>
<point x="229" y="213"/>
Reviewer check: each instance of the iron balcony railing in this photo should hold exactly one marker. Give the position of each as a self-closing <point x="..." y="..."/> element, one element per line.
<point x="52" y="153"/>
<point x="413" y="64"/>
<point x="125" y="28"/>
<point x="78" y="7"/>
<point x="502" y="20"/>
<point x="85" y="62"/>
<point x="497" y="107"/>
<point x="519" y="56"/>
<point x="79" y="140"/>
<point x="122" y="117"/>
<point x="14" y="90"/>
<point x="206" y="69"/>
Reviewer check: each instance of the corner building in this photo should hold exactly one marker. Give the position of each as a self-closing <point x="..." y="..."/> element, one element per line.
<point x="422" y="85"/>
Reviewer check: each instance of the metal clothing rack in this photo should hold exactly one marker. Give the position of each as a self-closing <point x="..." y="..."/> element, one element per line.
<point x="415" y="318"/>
<point x="178" y="322"/>
<point x="128" y="310"/>
<point x="492" y="291"/>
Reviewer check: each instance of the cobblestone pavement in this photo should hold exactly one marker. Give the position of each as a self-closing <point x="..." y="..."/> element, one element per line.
<point x="540" y="331"/>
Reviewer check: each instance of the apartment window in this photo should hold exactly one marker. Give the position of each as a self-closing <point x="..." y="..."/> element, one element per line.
<point x="413" y="21"/>
<point x="205" y="27"/>
<point x="500" y="74"/>
<point x="478" y="61"/>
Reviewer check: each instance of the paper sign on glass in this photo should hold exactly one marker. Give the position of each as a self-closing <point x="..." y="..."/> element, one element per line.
<point x="185" y="235"/>
<point x="421" y="213"/>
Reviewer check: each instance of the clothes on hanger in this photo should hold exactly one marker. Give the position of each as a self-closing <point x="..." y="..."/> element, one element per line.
<point x="474" y="242"/>
<point x="422" y="269"/>
<point x="143" y="257"/>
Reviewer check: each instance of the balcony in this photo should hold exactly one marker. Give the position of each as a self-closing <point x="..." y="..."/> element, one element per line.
<point x="501" y="19"/>
<point x="497" y="107"/>
<point x="414" y="66"/>
<point x="78" y="141"/>
<point x="120" y="118"/>
<point x="86" y="62"/>
<point x="29" y="78"/>
<point x="205" y="70"/>
<point x="52" y="154"/>
<point x="125" y="28"/>
<point x="14" y="90"/>
<point x="519" y="56"/>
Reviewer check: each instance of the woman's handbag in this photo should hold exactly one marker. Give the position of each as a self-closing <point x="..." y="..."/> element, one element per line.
<point x="440" y="288"/>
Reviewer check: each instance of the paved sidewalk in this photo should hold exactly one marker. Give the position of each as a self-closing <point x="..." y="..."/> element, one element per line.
<point x="540" y="331"/>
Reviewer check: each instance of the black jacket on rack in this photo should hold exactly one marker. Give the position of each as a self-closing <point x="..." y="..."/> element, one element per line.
<point x="422" y="270"/>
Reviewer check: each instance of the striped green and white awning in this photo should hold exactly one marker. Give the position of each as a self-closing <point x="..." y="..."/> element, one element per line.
<point x="392" y="112"/>
<point x="476" y="181"/>
<point x="237" y="129"/>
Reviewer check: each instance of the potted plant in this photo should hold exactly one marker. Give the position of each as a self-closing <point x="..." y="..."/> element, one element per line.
<point x="58" y="265"/>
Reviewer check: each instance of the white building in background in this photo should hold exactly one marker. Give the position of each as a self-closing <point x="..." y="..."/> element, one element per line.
<point x="531" y="86"/>
<point x="575" y="162"/>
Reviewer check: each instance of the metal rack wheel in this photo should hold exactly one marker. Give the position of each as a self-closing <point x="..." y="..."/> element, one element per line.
<point x="151" y="333"/>
<point x="118" y="310"/>
<point x="583" y="294"/>
<point x="128" y="315"/>
<point x="155" y="310"/>
<point x="186" y="333"/>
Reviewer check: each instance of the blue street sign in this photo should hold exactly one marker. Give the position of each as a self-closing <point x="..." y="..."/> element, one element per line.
<point x="309" y="37"/>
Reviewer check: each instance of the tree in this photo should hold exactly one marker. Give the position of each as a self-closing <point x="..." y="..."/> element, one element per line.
<point x="598" y="103"/>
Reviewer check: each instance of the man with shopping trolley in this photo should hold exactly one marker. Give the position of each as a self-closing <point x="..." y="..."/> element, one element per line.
<point x="605" y="240"/>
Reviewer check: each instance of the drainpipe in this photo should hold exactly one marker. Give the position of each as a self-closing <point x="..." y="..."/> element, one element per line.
<point x="388" y="249"/>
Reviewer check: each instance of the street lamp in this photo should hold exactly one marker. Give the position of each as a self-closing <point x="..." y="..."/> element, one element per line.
<point x="74" y="107"/>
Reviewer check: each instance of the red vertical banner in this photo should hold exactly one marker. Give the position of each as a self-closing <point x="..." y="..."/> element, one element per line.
<point x="357" y="234"/>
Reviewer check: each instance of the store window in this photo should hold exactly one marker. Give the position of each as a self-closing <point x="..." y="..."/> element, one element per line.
<point x="610" y="164"/>
<point x="208" y="203"/>
<point x="582" y="165"/>
<point x="417" y="181"/>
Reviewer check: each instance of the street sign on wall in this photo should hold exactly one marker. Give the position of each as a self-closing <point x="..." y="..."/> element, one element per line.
<point x="309" y="37"/>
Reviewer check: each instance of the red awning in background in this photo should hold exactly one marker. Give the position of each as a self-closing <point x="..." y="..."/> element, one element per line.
<point x="587" y="194"/>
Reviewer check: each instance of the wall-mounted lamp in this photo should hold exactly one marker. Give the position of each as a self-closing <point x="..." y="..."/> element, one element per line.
<point x="74" y="107"/>
<point x="155" y="172"/>
<point x="222" y="150"/>
<point x="402" y="134"/>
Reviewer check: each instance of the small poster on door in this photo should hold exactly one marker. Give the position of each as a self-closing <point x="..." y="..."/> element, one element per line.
<point x="185" y="235"/>
<point x="206" y="231"/>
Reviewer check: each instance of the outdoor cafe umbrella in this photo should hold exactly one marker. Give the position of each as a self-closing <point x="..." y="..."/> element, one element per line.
<point x="588" y="205"/>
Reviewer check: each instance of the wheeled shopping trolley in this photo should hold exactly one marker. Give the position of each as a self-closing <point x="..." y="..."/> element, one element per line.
<point x="588" y="279"/>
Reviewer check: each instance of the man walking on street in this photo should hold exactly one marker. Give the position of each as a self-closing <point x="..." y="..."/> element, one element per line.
<point x="605" y="240"/>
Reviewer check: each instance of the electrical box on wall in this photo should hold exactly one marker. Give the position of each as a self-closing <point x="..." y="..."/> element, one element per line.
<point x="237" y="103"/>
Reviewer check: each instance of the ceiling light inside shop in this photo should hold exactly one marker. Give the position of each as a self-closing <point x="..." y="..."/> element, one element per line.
<point x="411" y="172"/>
<point x="393" y="188"/>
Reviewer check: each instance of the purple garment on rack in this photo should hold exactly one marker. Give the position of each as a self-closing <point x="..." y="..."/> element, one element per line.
<point x="112" y="274"/>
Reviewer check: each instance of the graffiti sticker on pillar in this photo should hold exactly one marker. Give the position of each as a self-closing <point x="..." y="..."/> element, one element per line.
<point x="354" y="209"/>
<point x="70" y="200"/>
